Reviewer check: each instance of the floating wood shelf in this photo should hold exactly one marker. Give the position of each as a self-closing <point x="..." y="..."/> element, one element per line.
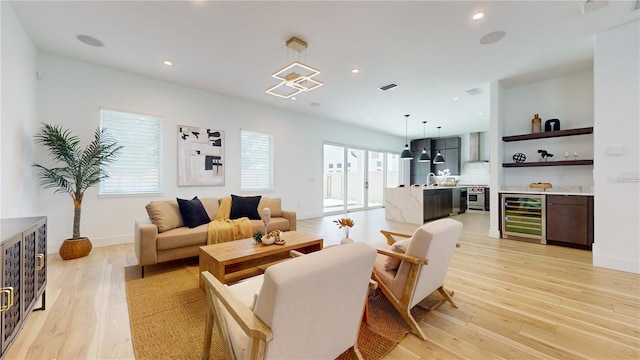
<point x="549" y="163"/>
<point x="550" y="134"/>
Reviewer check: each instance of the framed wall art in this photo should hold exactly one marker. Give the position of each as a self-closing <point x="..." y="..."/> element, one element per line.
<point x="200" y="156"/>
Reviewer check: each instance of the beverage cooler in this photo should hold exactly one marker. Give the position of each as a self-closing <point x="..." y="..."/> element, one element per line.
<point x="523" y="217"/>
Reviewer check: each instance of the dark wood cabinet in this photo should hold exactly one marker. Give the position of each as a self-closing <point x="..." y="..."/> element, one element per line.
<point x="487" y="198"/>
<point x="570" y="220"/>
<point x="438" y="203"/>
<point x="450" y="149"/>
<point x="419" y="170"/>
<point x="452" y="143"/>
<point x="418" y="144"/>
<point x="438" y="144"/>
<point x="23" y="275"/>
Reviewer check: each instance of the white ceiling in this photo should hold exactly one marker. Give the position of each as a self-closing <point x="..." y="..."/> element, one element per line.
<point x="430" y="48"/>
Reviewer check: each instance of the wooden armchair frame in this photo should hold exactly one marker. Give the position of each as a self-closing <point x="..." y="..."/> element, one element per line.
<point x="230" y="313"/>
<point x="403" y="305"/>
<point x="219" y="296"/>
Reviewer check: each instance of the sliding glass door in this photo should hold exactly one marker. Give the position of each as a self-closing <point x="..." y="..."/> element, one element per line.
<point x="354" y="179"/>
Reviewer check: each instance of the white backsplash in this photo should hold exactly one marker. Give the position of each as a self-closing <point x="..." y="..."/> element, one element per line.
<point x="475" y="173"/>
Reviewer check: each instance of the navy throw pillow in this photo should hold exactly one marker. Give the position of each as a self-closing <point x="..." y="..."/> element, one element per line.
<point x="245" y="206"/>
<point x="193" y="212"/>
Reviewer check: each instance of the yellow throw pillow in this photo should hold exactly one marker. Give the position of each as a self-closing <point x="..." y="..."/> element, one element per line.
<point x="225" y="209"/>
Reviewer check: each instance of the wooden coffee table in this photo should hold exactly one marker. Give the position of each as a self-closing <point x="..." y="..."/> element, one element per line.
<point x="235" y="260"/>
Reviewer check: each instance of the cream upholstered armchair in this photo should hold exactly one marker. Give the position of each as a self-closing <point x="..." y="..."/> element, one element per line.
<point x="408" y="271"/>
<point x="306" y="307"/>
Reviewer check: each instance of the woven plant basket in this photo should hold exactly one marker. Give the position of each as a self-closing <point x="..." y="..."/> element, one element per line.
<point x="75" y="248"/>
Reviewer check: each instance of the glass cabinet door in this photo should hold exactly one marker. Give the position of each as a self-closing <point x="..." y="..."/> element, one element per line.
<point x="523" y="217"/>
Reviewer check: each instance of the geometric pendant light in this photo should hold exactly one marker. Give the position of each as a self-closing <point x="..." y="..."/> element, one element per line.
<point x="439" y="159"/>
<point x="406" y="153"/>
<point x="424" y="156"/>
<point x="295" y="77"/>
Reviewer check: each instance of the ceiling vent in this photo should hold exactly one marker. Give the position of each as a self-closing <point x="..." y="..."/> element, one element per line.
<point x="388" y="87"/>
<point x="474" y="92"/>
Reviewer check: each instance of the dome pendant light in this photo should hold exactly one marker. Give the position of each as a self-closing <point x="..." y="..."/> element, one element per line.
<point x="439" y="159"/>
<point x="406" y="153"/>
<point x="424" y="157"/>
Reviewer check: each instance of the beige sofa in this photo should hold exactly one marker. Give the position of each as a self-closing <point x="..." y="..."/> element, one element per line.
<point x="164" y="237"/>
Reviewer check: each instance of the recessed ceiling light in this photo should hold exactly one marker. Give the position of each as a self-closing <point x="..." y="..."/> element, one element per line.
<point x="456" y="98"/>
<point x="492" y="37"/>
<point x="478" y="16"/>
<point x="90" y="40"/>
<point x="355" y="71"/>
<point x="167" y="62"/>
<point x="479" y="113"/>
<point x="293" y="98"/>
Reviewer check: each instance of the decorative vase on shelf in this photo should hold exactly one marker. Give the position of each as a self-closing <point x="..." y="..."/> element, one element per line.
<point x="536" y="124"/>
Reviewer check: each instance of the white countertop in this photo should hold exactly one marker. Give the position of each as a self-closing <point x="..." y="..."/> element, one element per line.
<point x="548" y="192"/>
<point x="438" y="187"/>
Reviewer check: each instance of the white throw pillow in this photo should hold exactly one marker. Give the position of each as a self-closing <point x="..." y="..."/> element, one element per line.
<point x="400" y="246"/>
<point x="391" y="264"/>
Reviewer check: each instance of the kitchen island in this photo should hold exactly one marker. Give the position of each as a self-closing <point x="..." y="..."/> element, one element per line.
<point x="418" y="204"/>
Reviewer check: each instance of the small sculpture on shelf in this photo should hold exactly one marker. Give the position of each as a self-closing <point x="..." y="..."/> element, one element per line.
<point x="544" y="154"/>
<point x="519" y="158"/>
<point x="552" y="125"/>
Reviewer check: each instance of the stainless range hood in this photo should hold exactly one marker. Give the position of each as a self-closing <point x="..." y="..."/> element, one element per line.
<point x="474" y="148"/>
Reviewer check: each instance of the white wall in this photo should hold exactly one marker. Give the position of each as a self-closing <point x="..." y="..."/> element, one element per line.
<point x="569" y="99"/>
<point x="497" y="119"/>
<point x="18" y="187"/>
<point x="617" y="124"/>
<point x="71" y="93"/>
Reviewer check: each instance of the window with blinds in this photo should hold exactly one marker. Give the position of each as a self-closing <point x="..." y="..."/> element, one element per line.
<point x="256" y="161"/>
<point x="137" y="169"/>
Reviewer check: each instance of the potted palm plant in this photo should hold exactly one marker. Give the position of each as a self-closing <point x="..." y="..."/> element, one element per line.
<point x="75" y="171"/>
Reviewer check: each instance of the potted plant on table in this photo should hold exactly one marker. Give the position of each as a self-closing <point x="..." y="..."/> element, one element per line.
<point x="76" y="170"/>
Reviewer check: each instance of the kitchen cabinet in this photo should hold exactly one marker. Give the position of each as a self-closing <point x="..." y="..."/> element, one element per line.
<point x="438" y="203"/>
<point x="419" y="170"/>
<point x="487" y="198"/>
<point x="570" y="220"/>
<point x="22" y="274"/>
<point x="459" y="200"/>
<point x="546" y="135"/>
<point x="450" y="149"/>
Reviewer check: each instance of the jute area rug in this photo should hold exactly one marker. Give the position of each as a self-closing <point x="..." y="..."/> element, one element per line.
<point x="167" y="313"/>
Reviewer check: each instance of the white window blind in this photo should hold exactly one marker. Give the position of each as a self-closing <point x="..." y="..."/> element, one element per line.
<point x="256" y="161"/>
<point x="137" y="169"/>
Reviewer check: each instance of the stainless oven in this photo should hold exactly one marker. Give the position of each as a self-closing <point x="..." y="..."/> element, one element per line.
<point x="475" y="197"/>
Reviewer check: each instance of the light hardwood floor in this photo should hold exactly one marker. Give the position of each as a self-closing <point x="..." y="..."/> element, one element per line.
<point x="516" y="301"/>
